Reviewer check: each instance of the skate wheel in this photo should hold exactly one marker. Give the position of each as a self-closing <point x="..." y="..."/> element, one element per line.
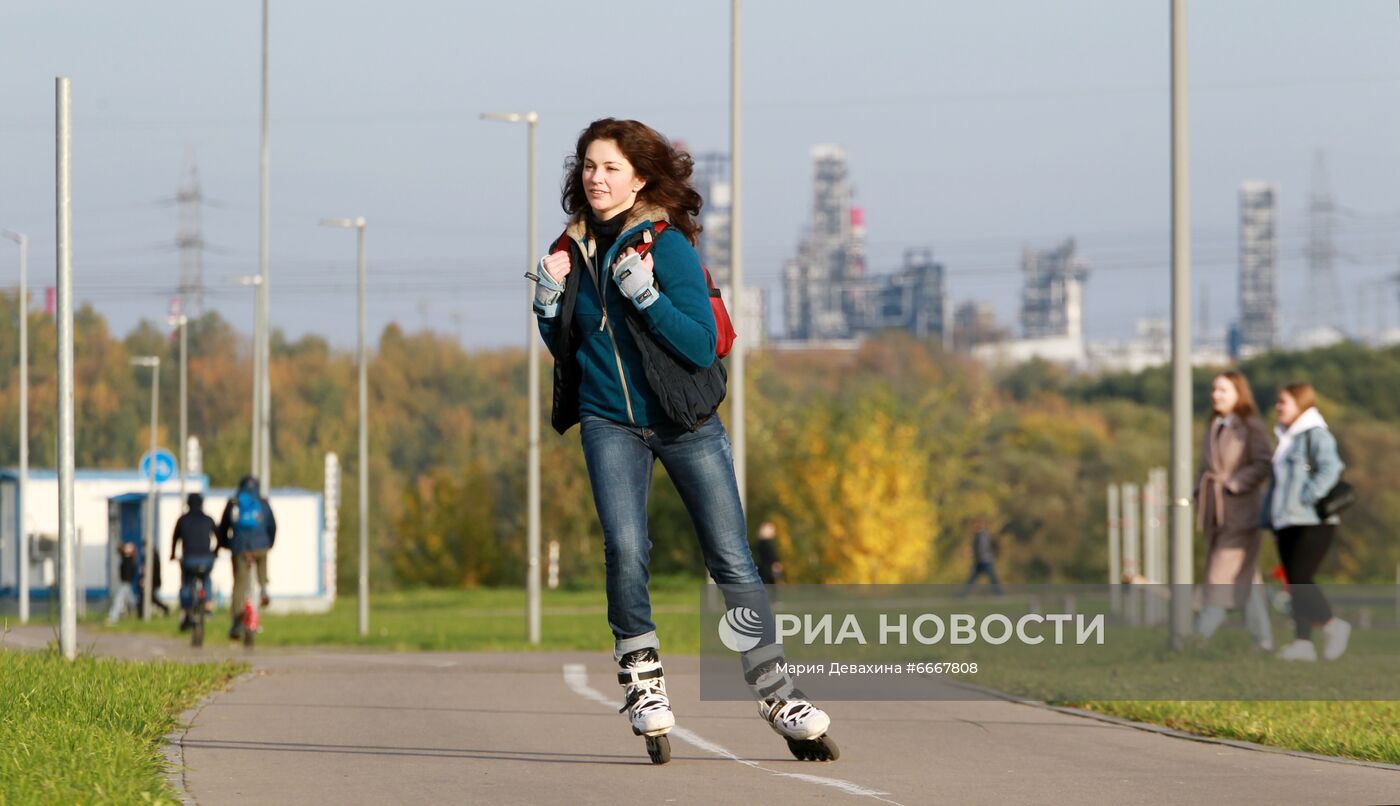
<point x="659" y="748"/>
<point x="822" y="748"/>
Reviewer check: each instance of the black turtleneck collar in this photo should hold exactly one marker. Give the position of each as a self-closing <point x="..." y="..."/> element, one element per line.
<point x="605" y="232"/>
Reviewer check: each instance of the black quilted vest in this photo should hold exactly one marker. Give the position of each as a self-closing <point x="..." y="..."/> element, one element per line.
<point x="688" y="395"/>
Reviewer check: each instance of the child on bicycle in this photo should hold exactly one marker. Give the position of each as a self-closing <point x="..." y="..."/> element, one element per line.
<point x="195" y="530"/>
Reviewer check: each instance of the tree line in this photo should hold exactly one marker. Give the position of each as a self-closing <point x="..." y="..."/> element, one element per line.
<point x="873" y="463"/>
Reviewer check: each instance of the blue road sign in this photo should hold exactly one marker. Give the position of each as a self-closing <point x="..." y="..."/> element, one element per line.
<point x="165" y="465"/>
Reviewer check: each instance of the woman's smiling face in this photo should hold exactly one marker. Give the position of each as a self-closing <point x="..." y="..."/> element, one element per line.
<point x="609" y="180"/>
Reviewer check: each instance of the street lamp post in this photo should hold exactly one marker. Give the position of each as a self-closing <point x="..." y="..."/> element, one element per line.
<point x="182" y="322"/>
<point x="358" y="224"/>
<point x="736" y="255"/>
<point x="63" y="327"/>
<point x="23" y="305"/>
<point x="532" y="353"/>
<point x="254" y="281"/>
<point x="1181" y="470"/>
<point x="148" y="539"/>
<point x="262" y="436"/>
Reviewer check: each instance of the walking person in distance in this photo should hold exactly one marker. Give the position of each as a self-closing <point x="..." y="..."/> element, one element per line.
<point x="1306" y="466"/>
<point x="1230" y="486"/>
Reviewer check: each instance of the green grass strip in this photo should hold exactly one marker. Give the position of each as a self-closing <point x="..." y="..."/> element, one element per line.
<point x="470" y="620"/>
<point x="89" y="730"/>
<point x="1362" y="729"/>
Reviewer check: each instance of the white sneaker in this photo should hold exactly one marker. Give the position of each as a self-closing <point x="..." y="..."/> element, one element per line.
<point x="1298" y="650"/>
<point x="1209" y="620"/>
<point x="1335" y="635"/>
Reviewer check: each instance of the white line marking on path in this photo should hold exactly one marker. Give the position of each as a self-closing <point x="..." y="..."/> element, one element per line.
<point x="576" y="677"/>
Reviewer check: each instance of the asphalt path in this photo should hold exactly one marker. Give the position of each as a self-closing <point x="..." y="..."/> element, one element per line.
<point x="344" y="727"/>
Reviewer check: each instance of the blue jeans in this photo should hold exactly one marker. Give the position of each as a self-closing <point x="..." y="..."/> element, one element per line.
<point x="620" y="459"/>
<point x="191" y="568"/>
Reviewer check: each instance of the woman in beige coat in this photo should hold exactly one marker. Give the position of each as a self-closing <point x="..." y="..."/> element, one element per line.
<point x="1235" y="467"/>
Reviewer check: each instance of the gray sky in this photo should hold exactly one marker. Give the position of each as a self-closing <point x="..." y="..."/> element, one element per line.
<point x="972" y="127"/>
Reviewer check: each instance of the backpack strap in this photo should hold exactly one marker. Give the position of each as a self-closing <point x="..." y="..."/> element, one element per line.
<point x="646" y="239"/>
<point x="714" y="289"/>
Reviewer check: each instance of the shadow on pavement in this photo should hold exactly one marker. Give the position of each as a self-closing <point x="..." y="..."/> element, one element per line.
<point x="430" y="752"/>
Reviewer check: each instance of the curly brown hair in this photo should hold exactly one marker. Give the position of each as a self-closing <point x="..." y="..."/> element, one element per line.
<point x="666" y="169"/>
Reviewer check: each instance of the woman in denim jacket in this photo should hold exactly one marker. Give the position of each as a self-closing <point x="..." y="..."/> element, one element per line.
<point x="1306" y="467"/>
<point x="634" y="343"/>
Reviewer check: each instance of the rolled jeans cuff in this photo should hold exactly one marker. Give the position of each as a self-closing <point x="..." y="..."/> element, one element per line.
<point x="647" y="640"/>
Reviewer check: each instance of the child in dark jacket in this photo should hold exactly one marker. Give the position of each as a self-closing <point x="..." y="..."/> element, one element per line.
<point x="125" y="595"/>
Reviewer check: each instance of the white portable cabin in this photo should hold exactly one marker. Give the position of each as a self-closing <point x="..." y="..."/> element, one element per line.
<point x="107" y="503"/>
<point x="300" y="566"/>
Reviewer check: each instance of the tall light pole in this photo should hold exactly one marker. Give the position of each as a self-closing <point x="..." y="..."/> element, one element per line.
<point x="358" y="224"/>
<point x="182" y="322"/>
<point x="1180" y="564"/>
<point x="532" y="364"/>
<point x="736" y="254"/>
<point x="254" y="281"/>
<point x="63" y="310"/>
<point x="262" y="419"/>
<point x="23" y="305"/>
<point x="148" y="534"/>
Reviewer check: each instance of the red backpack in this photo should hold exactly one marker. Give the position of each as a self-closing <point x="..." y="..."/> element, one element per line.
<point x="724" y="327"/>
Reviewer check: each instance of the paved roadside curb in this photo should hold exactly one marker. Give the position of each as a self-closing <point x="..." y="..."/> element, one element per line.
<point x="173" y="743"/>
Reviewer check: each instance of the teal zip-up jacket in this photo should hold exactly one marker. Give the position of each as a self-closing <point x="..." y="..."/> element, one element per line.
<point x="614" y="384"/>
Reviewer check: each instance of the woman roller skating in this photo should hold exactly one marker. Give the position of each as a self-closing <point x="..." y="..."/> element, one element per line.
<point x="625" y="308"/>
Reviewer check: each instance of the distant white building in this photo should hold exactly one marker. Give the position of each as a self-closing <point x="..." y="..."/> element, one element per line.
<point x="1388" y="337"/>
<point x="1151" y="347"/>
<point x="1317" y="337"/>
<point x="1067" y="350"/>
<point x="108" y="507"/>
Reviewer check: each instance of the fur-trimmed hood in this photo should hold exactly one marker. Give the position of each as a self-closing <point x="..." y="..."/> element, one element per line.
<point x="636" y="214"/>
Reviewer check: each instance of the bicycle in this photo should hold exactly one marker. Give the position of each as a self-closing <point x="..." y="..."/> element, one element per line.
<point x="197" y="604"/>
<point x="194" y="596"/>
<point x="250" y="621"/>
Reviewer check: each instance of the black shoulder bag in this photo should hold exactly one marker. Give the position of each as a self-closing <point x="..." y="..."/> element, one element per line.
<point x="1340" y="497"/>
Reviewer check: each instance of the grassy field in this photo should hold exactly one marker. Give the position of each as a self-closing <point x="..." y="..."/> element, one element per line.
<point x="465" y="620"/>
<point x="1364" y="729"/>
<point x="89" y="731"/>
